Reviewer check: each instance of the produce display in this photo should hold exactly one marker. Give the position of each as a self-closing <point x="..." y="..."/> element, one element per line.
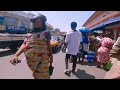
<point x="55" y="43"/>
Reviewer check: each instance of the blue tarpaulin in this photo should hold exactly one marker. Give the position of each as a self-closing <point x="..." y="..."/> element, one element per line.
<point x="102" y="25"/>
<point x="98" y="27"/>
<point x="84" y="30"/>
<point x="112" y="20"/>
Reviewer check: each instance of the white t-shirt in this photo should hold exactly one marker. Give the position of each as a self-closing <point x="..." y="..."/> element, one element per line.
<point x="73" y="39"/>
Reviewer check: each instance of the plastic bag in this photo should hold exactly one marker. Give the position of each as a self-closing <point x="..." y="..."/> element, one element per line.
<point x="109" y="65"/>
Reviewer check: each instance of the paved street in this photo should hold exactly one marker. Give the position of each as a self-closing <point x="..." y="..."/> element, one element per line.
<point x="84" y="70"/>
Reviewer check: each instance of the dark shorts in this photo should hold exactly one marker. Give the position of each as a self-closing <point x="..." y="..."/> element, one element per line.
<point x="82" y="53"/>
<point x="73" y="56"/>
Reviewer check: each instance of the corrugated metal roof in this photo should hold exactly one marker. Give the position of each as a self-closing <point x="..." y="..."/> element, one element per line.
<point x="102" y="25"/>
<point x="112" y="20"/>
<point x="97" y="26"/>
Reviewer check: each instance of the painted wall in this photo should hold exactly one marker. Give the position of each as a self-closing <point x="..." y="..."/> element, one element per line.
<point x="105" y="13"/>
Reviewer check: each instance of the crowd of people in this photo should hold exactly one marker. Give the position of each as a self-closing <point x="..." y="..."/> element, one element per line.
<point x="100" y="44"/>
<point x="38" y="51"/>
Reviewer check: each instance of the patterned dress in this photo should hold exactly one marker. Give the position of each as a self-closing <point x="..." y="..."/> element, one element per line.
<point x="104" y="50"/>
<point x="37" y="54"/>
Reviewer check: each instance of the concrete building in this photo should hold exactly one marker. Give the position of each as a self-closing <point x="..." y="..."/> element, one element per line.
<point x="49" y="27"/>
<point x="56" y="32"/>
<point x="107" y="21"/>
<point x="63" y="33"/>
<point x="17" y="19"/>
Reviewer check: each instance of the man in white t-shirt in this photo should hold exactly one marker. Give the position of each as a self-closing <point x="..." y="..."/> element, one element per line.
<point x="73" y="39"/>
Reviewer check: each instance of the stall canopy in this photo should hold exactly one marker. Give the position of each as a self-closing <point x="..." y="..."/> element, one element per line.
<point x="83" y="30"/>
<point x="104" y="24"/>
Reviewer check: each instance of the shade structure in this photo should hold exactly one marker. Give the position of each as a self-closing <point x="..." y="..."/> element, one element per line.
<point x="106" y="23"/>
<point x="84" y="30"/>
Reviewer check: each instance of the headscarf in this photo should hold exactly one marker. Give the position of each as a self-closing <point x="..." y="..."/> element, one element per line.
<point x="107" y="42"/>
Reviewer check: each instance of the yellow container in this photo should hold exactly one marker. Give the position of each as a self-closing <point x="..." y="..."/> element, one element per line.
<point x="55" y="43"/>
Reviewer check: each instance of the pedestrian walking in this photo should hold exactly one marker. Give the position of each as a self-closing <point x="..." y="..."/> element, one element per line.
<point x="73" y="39"/>
<point x="104" y="52"/>
<point x="84" y="44"/>
<point x="63" y="44"/>
<point x="63" y="40"/>
<point x="94" y="43"/>
<point x="37" y="49"/>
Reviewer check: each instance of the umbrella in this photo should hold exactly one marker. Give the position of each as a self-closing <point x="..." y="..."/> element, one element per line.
<point x="84" y="30"/>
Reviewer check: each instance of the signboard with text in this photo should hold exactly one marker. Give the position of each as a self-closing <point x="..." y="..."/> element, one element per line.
<point x="15" y="29"/>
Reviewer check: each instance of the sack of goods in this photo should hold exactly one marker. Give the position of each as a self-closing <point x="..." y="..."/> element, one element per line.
<point x="91" y="56"/>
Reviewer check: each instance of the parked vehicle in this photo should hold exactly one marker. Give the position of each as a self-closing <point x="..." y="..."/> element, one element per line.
<point x="12" y="41"/>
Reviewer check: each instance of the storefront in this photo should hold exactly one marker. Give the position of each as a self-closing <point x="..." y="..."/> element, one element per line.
<point x="111" y="26"/>
<point x="114" y="29"/>
<point x="2" y="27"/>
<point x="14" y="19"/>
<point x="10" y="21"/>
<point x="1" y="20"/>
